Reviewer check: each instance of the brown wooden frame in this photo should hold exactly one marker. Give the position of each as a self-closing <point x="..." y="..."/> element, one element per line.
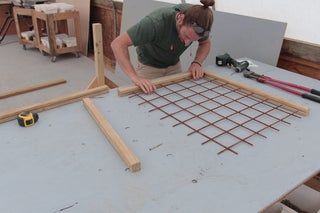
<point x="50" y="20"/>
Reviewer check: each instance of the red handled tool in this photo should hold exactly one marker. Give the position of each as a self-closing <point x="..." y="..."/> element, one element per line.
<point x="285" y="86"/>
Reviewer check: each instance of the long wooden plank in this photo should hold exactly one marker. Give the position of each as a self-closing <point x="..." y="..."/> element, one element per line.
<point x="303" y="110"/>
<point x="122" y="91"/>
<point x="98" y="53"/>
<point x="12" y="114"/>
<point x="32" y="88"/>
<point x="113" y="137"/>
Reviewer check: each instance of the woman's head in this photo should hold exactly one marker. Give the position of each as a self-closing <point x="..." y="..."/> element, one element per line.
<point x="195" y="22"/>
<point x="200" y="16"/>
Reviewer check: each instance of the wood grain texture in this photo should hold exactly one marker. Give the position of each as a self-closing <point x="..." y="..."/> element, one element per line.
<point x="127" y="90"/>
<point x="103" y="13"/>
<point x="57" y="102"/>
<point x="113" y="137"/>
<point x="98" y="53"/>
<point x="301" y="49"/>
<point x="32" y="88"/>
<point x="299" y="65"/>
<point x="108" y="82"/>
<point x="303" y="110"/>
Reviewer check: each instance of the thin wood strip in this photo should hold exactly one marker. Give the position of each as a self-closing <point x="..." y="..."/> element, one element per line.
<point x="109" y="83"/>
<point x="301" y="61"/>
<point x="314" y="183"/>
<point x="77" y="29"/>
<point x="113" y="137"/>
<point x="16" y="20"/>
<point x="122" y="91"/>
<point x="65" y="15"/>
<point x="303" y="110"/>
<point x="98" y="53"/>
<point x="93" y="83"/>
<point x="281" y="197"/>
<point x="12" y="114"/>
<point x="23" y="11"/>
<point x="64" y="50"/>
<point x="32" y="88"/>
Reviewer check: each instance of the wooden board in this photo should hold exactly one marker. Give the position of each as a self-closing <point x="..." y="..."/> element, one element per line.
<point x="98" y="53"/>
<point x="113" y="137"/>
<point x="127" y="90"/>
<point x="32" y="88"/>
<point x="303" y="110"/>
<point x="12" y="114"/>
<point x="83" y="7"/>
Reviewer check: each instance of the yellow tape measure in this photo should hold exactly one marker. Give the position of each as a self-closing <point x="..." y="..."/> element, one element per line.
<point x="26" y="119"/>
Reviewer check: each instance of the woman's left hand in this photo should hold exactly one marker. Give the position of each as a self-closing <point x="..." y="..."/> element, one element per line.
<point x="196" y="70"/>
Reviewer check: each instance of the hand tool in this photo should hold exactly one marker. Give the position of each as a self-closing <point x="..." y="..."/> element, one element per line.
<point x="285" y="86"/>
<point x="27" y="119"/>
<point x="226" y="60"/>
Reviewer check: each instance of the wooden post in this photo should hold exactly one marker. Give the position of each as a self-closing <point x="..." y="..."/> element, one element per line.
<point x="98" y="53"/>
<point x="51" y="35"/>
<point x="16" y="20"/>
<point x="77" y="28"/>
<point x="113" y="137"/>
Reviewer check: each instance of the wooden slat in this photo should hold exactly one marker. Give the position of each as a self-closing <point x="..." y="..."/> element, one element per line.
<point x="64" y="50"/>
<point x="51" y="34"/>
<point x="92" y="84"/>
<point x="64" y="15"/>
<point x="301" y="61"/>
<point x="301" y="49"/>
<point x="314" y="183"/>
<point x="12" y="114"/>
<point x="122" y="91"/>
<point x="36" y="31"/>
<point x="108" y="82"/>
<point x="77" y="29"/>
<point x="98" y="53"/>
<point x="32" y="88"/>
<point x="23" y="11"/>
<point x="113" y="137"/>
<point x="281" y="197"/>
<point x="40" y="15"/>
<point x="16" y="20"/>
<point x="303" y="110"/>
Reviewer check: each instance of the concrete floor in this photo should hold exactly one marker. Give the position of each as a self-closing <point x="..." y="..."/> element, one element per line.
<point x="22" y="68"/>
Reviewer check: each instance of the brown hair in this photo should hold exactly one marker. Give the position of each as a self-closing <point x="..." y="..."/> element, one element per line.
<point x="202" y="15"/>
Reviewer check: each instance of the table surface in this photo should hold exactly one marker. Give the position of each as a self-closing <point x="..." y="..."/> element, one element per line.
<point x="65" y="163"/>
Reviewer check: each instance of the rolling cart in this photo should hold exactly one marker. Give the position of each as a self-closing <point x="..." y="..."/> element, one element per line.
<point x="52" y="47"/>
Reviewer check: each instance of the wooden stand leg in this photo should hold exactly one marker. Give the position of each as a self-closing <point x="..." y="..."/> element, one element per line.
<point x="98" y="53"/>
<point x="113" y="137"/>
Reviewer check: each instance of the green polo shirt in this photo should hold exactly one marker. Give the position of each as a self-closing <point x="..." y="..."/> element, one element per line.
<point x="156" y="37"/>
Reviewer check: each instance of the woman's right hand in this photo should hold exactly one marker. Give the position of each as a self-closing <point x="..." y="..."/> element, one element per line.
<point x="144" y="84"/>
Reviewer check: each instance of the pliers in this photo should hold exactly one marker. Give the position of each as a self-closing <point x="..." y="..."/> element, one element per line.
<point x="285" y="86"/>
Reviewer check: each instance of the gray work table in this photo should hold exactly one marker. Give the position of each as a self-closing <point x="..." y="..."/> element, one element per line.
<point x="64" y="162"/>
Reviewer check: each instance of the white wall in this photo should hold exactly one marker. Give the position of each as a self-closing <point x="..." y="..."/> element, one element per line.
<point x="303" y="17"/>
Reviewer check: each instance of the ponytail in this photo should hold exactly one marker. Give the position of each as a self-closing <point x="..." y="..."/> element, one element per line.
<point x="200" y="14"/>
